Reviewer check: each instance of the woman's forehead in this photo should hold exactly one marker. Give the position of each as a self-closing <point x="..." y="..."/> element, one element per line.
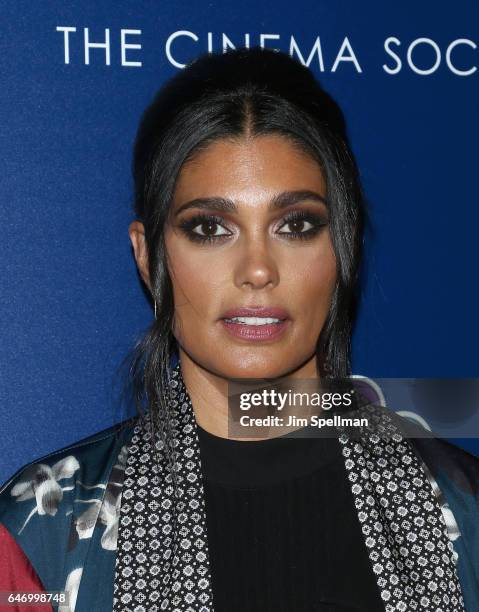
<point x="248" y="168"/>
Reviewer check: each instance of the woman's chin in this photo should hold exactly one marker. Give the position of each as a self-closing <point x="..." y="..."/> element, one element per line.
<point x="255" y="370"/>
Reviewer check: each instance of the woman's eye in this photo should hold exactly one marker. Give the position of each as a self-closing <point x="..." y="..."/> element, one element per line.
<point x="207" y="228"/>
<point x="296" y="226"/>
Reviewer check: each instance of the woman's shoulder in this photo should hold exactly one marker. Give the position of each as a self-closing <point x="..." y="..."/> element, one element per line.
<point x="86" y="462"/>
<point x="444" y="458"/>
<point x="456" y="472"/>
<point x="453" y="474"/>
<point x="55" y="506"/>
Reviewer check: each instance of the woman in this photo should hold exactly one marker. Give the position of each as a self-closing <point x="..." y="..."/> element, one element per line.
<point x="248" y="235"/>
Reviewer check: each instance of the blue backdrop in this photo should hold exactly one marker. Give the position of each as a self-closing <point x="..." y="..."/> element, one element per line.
<point x="71" y="302"/>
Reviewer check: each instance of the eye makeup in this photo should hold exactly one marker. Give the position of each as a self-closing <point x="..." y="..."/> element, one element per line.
<point x="205" y="222"/>
<point x="210" y="224"/>
<point x="303" y="217"/>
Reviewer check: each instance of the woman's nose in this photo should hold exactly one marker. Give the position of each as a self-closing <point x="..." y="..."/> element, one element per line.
<point x="255" y="266"/>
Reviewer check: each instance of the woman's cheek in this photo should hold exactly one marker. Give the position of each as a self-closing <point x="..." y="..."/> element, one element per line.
<point x="197" y="287"/>
<point x="315" y="284"/>
<point x="313" y="275"/>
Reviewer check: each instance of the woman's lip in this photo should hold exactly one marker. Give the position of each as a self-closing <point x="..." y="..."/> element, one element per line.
<point x="269" y="331"/>
<point x="272" y="312"/>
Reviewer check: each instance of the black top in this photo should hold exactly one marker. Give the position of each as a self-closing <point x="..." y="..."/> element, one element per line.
<point x="283" y="532"/>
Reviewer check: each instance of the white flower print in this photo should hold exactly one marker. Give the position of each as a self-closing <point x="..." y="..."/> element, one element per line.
<point x="40" y="481"/>
<point x="105" y="512"/>
<point x="72" y="586"/>
<point x="109" y="516"/>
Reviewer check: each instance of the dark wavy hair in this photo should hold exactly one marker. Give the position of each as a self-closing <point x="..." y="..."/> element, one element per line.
<point x="255" y="92"/>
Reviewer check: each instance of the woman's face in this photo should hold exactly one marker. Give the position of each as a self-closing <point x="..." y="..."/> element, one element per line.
<point x="249" y="229"/>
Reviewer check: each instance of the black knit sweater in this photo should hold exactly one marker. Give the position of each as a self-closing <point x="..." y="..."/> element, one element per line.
<point x="283" y="532"/>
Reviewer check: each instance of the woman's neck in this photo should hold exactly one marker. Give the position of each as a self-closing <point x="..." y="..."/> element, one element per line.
<point x="209" y="395"/>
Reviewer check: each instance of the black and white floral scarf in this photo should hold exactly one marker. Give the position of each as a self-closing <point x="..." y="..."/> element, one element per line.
<point x="162" y="558"/>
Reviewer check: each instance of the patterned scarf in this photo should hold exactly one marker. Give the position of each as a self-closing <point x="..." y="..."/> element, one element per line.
<point x="162" y="559"/>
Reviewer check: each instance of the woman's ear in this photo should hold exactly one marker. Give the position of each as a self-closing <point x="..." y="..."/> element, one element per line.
<point x="137" y="237"/>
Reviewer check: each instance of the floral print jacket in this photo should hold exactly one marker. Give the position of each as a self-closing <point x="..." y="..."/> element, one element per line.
<point x="62" y="511"/>
<point x="61" y="514"/>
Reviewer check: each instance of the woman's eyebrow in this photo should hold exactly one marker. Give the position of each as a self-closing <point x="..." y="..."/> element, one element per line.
<point x="287" y="198"/>
<point x="281" y="200"/>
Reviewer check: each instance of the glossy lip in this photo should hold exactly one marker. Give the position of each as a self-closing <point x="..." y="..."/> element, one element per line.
<point x="256" y="333"/>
